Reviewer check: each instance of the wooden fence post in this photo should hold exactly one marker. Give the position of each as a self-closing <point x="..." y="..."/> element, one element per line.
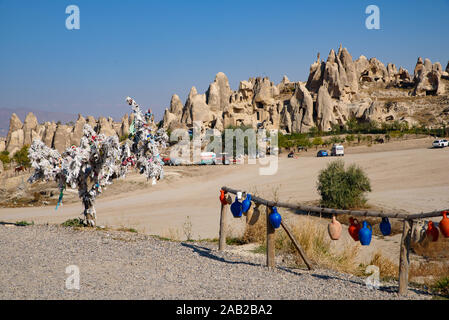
<point x="297" y="245"/>
<point x="222" y="235"/>
<point x="270" y="242"/>
<point x="404" y="259"/>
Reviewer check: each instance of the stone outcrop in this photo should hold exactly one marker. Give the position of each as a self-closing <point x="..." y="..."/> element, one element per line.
<point x="427" y="78"/>
<point x="336" y="90"/>
<point x="58" y="136"/>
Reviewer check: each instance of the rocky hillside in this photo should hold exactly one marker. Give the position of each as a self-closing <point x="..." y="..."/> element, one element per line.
<point x="58" y="136"/>
<point x="336" y="90"/>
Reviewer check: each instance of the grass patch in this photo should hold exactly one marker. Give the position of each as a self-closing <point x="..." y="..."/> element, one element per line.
<point x="127" y="230"/>
<point x="387" y="269"/>
<point x="233" y="241"/>
<point x="441" y="286"/>
<point x="77" y="222"/>
<point x="24" y="223"/>
<point x="260" y="249"/>
<point x="313" y="238"/>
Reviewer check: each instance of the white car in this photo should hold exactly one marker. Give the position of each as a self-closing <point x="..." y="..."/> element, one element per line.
<point x="440" y="143"/>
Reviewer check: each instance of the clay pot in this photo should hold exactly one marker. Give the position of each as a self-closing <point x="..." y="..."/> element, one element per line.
<point x="354" y="229"/>
<point x="334" y="229"/>
<point x="366" y="233"/>
<point x="223" y="198"/>
<point x="275" y="218"/>
<point x="236" y="208"/>
<point x="385" y="226"/>
<point x="246" y="204"/>
<point x="432" y="232"/>
<point x="418" y="231"/>
<point x="444" y="225"/>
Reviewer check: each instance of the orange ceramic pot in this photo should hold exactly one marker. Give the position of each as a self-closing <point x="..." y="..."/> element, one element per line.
<point x="223" y="198"/>
<point x="432" y="232"/>
<point x="334" y="229"/>
<point x="354" y="229"/>
<point x="444" y="224"/>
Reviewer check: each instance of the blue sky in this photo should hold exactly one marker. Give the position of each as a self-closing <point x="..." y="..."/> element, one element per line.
<point x="152" y="49"/>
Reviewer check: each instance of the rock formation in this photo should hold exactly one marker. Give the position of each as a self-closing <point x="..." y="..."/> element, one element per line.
<point x="427" y="78"/>
<point x="58" y="136"/>
<point x="336" y="90"/>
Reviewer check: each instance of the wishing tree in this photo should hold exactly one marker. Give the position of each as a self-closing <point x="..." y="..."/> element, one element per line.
<point x="99" y="160"/>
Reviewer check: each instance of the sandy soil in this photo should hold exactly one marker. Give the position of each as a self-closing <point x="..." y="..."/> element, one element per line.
<point x="412" y="178"/>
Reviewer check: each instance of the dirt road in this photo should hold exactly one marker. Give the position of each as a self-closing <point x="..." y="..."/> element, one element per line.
<point x="410" y="179"/>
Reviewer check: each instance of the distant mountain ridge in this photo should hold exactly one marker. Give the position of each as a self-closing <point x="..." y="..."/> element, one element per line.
<point x="42" y="115"/>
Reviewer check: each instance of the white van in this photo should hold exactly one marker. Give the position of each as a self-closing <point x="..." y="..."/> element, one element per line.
<point x="337" y="150"/>
<point x="440" y="143"/>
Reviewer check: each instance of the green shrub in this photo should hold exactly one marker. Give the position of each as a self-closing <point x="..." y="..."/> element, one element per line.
<point x="21" y="157"/>
<point x="317" y="141"/>
<point x="4" y="157"/>
<point x="77" y="222"/>
<point x="441" y="286"/>
<point x="24" y="223"/>
<point x="343" y="189"/>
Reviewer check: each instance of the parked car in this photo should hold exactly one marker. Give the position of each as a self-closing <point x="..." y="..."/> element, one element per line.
<point x="322" y="153"/>
<point x="337" y="150"/>
<point x="167" y="161"/>
<point x="441" y="143"/>
<point x="208" y="158"/>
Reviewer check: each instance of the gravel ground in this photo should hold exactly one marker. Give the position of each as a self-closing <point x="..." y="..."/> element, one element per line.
<point x="124" y="265"/>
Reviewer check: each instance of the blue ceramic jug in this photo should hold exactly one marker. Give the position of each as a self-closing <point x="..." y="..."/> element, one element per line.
<point x="365" y="234"/>
<point x="275" y="218"/>
<point x="236" y="208"/>
<point x="385" y="226"/>
<point x="246" y="204"/>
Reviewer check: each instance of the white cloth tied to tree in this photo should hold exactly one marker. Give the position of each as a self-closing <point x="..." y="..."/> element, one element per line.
<point x="100" y="159"/>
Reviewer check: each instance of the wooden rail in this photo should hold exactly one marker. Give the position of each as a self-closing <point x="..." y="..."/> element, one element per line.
<point x="404" y="260"/>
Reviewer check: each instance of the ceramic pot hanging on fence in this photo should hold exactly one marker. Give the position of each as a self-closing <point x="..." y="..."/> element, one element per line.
<point x="385" y="226"/>
<point x="366" y="233"/>
<point x="275" y="218"/>
<point x="444" y="224"/>
<point x="246" y="204"/>
<point x="432" y="232"/>
<point x="334" y="229"/>
<point x="223" y="199"/>
<point x="236" y="208"/>
<point x="418" y="231"/>
<point x="354" y="229"/>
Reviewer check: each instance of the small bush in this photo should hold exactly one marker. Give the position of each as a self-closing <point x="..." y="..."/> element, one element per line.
<point x="343" y="189"/>
<point x="24" y="223"/>
<point x="4" y="157"/>
<point x="21" y="157"/>
<point x="441" y="286"/>
<point x="77" y="222"/>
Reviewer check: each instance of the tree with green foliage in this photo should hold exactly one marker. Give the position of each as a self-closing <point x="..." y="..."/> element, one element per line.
<point x="21" y="157"/>
<point x="343" y="189"/>
<point x="317" y="141"/>
<point x="4" y="157"/>
<point x="350" y="138"/>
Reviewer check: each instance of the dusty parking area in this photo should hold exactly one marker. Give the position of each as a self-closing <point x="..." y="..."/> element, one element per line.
<point x="412" y="178"/>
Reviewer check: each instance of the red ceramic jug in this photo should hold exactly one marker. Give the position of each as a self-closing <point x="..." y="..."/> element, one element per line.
<point x="223" y="198"/>
<point x="432" y="232"/>
<point x="354" y="229"/>
<point x="444" y="224"/>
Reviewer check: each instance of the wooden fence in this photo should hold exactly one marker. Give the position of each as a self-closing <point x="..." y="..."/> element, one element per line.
<point x="404" y="260"/>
